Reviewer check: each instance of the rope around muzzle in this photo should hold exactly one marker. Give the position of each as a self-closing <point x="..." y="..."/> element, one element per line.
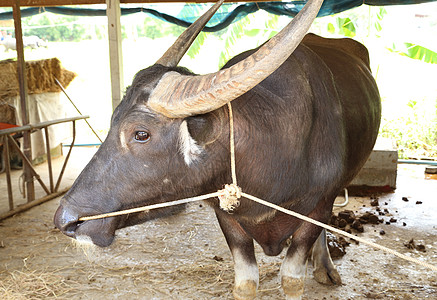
<point x="229" y="198"/>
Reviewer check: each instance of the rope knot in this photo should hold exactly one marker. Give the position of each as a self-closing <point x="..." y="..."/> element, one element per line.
<point x="229" y="197"/>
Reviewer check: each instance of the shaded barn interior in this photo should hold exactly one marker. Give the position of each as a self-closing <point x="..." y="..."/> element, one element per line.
<point x="200" y="265"/>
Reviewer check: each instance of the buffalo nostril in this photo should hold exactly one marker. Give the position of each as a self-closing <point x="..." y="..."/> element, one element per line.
<point x="70" y="228"/>
<point x="67" y="221"/>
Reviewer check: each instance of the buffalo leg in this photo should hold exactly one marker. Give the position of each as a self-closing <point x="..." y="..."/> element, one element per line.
<point x="243" y="253"/>
<point x="324" y="269"/>
<point x="293" y="269"/>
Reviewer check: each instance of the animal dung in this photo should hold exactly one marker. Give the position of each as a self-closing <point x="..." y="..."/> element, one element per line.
<point x="347" y="220"/>
<point x="411" y="244"/>
<point x="336" y="246"/>
<point x="356" y="224"/>
<point x="374" y="202"/>
<point x="347" y="215"/>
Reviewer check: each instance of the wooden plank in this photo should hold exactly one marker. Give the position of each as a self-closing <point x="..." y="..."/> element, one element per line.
<point x="87" y="2"/>
<point x="50" y="2"/>
<point x="22" y="83"/>
<point x="28" y="205"/>
<point x="115" y="50"/>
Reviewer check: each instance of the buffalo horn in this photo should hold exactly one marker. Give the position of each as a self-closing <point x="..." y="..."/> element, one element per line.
<point x="175" y="53"/>
<point x="179" y="96"/>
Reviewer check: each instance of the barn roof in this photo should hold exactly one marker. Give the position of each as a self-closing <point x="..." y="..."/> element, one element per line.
<point x="79" y="2"/>
<point x="226" y="15"/>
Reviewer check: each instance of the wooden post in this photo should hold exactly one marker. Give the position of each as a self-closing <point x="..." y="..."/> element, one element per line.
<point x="113" y="13"/>
<point x="22" y="83"/>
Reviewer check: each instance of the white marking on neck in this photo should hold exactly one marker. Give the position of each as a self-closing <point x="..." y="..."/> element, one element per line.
<point x="188" y="147"/>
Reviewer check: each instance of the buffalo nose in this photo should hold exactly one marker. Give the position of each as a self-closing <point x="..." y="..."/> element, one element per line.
<point x="67" y="221"/>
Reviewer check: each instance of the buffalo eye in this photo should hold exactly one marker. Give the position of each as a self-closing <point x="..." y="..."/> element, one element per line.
<point x="142" y="136"/>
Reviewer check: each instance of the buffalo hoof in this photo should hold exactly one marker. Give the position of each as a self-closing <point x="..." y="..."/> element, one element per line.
<point x="245" y="291"/>
<point x="293" y="287"/>
<point x="327" y="275"/>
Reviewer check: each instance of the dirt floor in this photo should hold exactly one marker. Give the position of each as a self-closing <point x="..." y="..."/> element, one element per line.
<point x="186" y="256"/>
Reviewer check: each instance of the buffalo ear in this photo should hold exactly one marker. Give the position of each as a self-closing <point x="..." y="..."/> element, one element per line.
<point x="205" y="129"/>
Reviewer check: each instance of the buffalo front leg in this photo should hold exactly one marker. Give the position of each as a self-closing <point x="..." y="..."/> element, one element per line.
<point x="243" y="253"/>
<point x="324" y="269"/>
<point x="293" y="269"/>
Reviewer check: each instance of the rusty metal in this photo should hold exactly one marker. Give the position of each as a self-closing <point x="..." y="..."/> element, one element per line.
<point x="7" y="166"/>
<point x="49" y="158"/>
<point x="40" y="125"/>
<point x="28" y="163"/>
<point x="5" y="136"/>
<point x="66" y="158"/>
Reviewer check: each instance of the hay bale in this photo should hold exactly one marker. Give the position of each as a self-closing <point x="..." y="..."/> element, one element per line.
<point x="41" y="76"/>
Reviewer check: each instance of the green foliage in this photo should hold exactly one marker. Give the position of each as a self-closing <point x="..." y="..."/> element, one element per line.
<point x="272" y="24"/>
<point x="186" y="12"/>
<point x="331" y="28"/>
<point x="415" y="52"/>
<point x="52" y="27"/>
<point x="342" y="26"/>
<point x="154" y="28"/>
<point x="403" y="48"/>
<point x="196" y="46"/>
<point x="414" y="125"/>
<point x="415" y="136"/>
<point x="379" y="17"/>
<point x="241" y="29"/>
<point x="234" y="32"/>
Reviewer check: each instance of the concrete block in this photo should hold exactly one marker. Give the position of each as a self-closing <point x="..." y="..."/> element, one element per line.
<point x="380" y="170"/>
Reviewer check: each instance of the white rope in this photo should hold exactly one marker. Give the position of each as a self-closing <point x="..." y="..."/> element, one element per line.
<point x="323" y="225"/>
<point x="230" y="196"/>
<point x="263" y="202"/>
<point x="149" y="207"/>
<point x="229" y="201"/>
<point x="232" y="144"/>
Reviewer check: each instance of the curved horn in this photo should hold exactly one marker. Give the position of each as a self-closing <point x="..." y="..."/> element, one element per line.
<point x="175" y="53"/>
<point x="179" y="96"/>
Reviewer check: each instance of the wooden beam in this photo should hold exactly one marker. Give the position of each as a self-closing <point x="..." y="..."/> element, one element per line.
<point x="87" y="2"/>
<point x="26" y="206"/>
<point x="50" y="2"/>
<point x="22" y="83"/>
<point x="113" y="13"/>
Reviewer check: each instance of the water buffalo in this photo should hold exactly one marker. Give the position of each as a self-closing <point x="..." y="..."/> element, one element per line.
<point x="306" y="116"/>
